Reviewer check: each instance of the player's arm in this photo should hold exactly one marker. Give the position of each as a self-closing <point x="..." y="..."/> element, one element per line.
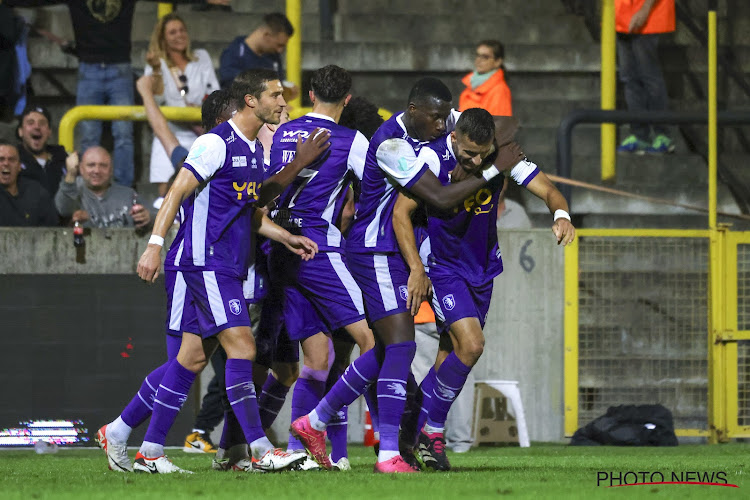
<point x="307" y="152"/>
<point x="543" y="188"/>
<point x="347" y="211"/>
<point x="299" y="245"/>
<point x="154" y="115"/>
<point x="182" y="187"/>
<point x="418" y="286"/>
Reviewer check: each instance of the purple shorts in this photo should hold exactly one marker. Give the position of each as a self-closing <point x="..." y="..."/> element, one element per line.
<point x="204" y="302"/>
<point x="454" y="298"/>
<point x="382" y="277"/>
<point x="320" y="294"/>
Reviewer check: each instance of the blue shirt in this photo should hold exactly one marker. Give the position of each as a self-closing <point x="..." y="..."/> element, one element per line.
<point x="216" y="220"/>
<point x="311" y="204"/>
<point x="238" y="57"/>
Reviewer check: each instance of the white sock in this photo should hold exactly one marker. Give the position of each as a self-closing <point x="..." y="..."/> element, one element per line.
<point x="384" y="455"/>
<point x="151" y="450"/>
<point x="428" y="429"/>
<point x="315" y="421"/>
<point x="260" y="447"/>
<point x="220" y="452"/>
<point x="199" y="431"/>
<point x="118" y="431"/>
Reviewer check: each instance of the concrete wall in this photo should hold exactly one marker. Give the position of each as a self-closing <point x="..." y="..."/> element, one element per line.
<point x="524" y="327"/>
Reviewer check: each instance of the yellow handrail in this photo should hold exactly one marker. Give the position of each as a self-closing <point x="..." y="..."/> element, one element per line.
<point x="297" y="112"/>
<point x="608" y="89"/>
<point x="163" y="9"/>
<point x="294" y="49"/>
<point x="130" y="113"/>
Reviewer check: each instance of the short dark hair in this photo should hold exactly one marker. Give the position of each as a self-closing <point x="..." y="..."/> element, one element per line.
<point x="360" y="114"/>
<point x="14" y="146"/>
<point x="216" y="104"/>
<point x="253" y="82"/>
<point x="278" y="22"/>
<point x="497" y="48"/>
<point x="331" y="83"/>
<point x="476" y="124"/>
<point x="429" y="87"/>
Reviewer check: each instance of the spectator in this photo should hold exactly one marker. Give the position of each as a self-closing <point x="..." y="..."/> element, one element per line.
<point x="485" y="86"/>
<point x="181" y="77"/>
<point x="102" y="31"/>
<point x="260" y="49"/>
<point x="639" y="25"/>
<point x="93" y="200"/>
<point x="23" y="202"/>
<point x="43" y="162"/>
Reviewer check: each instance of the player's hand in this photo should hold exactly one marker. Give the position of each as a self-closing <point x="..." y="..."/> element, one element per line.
<point x="313" y="147"/>
<point x="419" y="289"/>
<point x="149" y="263"/>
<point x="302" y="246"/>
<point x="140" y="215"/>
<point x="459" y="173"/>
<point x="508" y="156"/>
<point x="638" y="20"/>
<point x="564" y="231"/>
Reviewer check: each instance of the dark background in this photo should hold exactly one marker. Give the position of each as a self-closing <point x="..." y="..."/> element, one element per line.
<point x="62" y="339"/>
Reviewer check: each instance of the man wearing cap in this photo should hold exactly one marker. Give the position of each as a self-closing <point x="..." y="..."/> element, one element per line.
<point x="41" y="161"/>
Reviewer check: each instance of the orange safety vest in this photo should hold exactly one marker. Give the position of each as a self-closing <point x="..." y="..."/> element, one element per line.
<point x="493" y="95"/>
<point x="425" y="314"/>
<point x="661" y="19"/>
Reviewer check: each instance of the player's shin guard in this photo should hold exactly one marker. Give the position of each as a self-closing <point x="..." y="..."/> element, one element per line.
<point x="170" y="396"/>
<point x="241" y="394"/>
<point x="361" y="373"/>
<point x="271" y="399"/>
<point x="392" y="391"/>
<point x="308" y="391"/>
<point x="449" y="381"/>
<point x="141" y="406"/>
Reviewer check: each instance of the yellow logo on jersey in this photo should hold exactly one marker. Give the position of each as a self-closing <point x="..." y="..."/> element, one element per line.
<point x="478" y="202"/>
<point x="252" y="189"/>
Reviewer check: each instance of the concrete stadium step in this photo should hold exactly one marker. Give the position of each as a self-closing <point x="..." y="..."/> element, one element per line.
<point x="454" y="7"/>
<point x="430" y="27"/>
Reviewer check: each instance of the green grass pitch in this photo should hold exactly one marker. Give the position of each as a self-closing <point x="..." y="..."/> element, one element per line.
<point x="542" y="471"/>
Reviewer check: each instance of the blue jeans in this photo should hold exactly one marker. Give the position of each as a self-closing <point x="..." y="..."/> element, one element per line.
<point x="640" y="72"/>
<point x="108" y="84"/>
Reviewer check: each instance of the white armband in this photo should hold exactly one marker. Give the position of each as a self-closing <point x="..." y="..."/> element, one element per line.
<point x="155" y="239"/>
<point x="561" y="214"/>
<point x="490" y="173"/>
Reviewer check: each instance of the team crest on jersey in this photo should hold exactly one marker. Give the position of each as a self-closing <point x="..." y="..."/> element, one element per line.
<point x="404" y="292"/>
<point x="287" y="156"/>
<point x="240" y="161"/>
<point x="254" y="163"/>
<point x="104" y="11"/>
<point x="449" y="302"/>
<point x="234" y="306"/>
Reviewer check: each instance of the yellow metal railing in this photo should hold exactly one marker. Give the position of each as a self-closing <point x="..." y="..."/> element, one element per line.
<point x="163" y="8"/>
<point x="294" y="49"/>
<point x="608" y="88"/>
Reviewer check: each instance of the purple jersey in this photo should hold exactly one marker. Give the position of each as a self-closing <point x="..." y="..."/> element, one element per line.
<point x="311" y="204"/>
<point x="394" y="160"/>
<point x="215" y="221"/>
<point x="464" y="240"/>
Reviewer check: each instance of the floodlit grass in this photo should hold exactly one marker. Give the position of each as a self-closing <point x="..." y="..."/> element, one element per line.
<point x="542" y="471"/>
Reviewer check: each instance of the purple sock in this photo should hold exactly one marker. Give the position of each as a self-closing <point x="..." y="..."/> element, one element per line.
<point x="426" y="388"/>
<point x="411" y="411"/>
<point x="170" y="396"/>
<point x="338" y="426"/>
<point x="392" y="391"/>
<point x="449" y="381"/>
<point x="241" y="395"/>
<point x="232" y="433"/>
<point x="308" y="391"/>
<point x="141" y="406"/>
<point x="358" y="375"/>
<point x="271" y="399"/>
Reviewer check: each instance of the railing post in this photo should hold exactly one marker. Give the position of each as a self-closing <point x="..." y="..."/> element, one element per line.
<point x="608" y="89"/>
<point x="294" y="48"/>
<point x="570" y="333"/>
<point x="163" y="9"/>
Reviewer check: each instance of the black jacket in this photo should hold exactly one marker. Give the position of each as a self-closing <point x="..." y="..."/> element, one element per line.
<point x="32" y="207"/>
<point x="48" y="175"/>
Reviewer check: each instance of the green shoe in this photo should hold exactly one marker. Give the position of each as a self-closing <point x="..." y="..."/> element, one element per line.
<point x="662" y="144"/>
<point x="632" y="144"/>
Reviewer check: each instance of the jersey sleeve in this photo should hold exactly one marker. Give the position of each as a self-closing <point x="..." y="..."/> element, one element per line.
<point x="357" y="153"/>
<point x="207" y="155"/>
<point x="399" y="161"/>
<point x="450" y="122"/>
<point x="279" y="156"/>
<point x="523" y="172"/>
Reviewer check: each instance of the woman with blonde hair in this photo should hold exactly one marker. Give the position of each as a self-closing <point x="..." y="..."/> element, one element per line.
<point x="181" y="77"/>
<point x="485" y="86"/>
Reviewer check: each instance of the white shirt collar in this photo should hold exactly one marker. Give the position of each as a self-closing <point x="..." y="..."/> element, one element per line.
<point x="242" y="136"/>
<point x="322" y="117"/>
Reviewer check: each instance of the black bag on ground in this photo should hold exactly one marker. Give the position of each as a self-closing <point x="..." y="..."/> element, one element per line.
<point x="629" y="425"/>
